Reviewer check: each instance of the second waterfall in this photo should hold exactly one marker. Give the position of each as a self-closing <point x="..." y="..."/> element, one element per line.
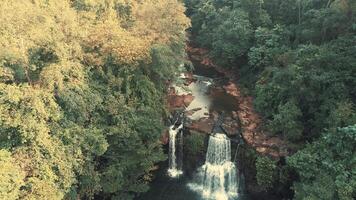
<point x="175" y="151"/>
<point x="217" y="178"/>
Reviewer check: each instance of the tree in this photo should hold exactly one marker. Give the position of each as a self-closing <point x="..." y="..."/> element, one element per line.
<point x="232" y="38"/>
<point x="78" y="81"/>
<point x="326" y="167"/>
<point x="11" y="177"/>
<point x="266" y="172"/>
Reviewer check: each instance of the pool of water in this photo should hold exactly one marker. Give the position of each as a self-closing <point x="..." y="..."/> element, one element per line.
<point x="207" y="99"/>
<point x="165" y="188"/>
<point x="222" y="102"/>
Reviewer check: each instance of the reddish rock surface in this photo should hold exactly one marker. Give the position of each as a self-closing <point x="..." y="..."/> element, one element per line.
<point x="230" y="126"/>
<point x="231" y="89"/>
<point x="187" y="99"/>
<point x="204" y="125"/>
<point x="189" y="78"/>
<point x="178" y="101"/>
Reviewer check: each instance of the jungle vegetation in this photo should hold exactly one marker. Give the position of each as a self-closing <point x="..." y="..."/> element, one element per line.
<point x="81" y="95"/>
<point x="297" y="58"/>
<point x="83" y="84"/>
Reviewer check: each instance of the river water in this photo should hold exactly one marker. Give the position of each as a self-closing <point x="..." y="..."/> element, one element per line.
<point x="164" y="187"/>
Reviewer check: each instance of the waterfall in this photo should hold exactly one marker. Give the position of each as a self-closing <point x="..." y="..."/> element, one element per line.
<point x="217" y="178"/>
<point x="175" y="150"/>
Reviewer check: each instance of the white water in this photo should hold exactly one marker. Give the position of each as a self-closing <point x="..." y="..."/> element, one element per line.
<point x="217" y="178"/>
<point x="174" y="169"/>
<point x="201" y="99"/>
<point x="198" y="89"/>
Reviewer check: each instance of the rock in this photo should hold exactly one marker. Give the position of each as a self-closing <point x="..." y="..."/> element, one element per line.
<point x="215" y="115"/>
<point x="189" y="78"/>
<point x="230" y="126"/>
<point x="179" y="101"/>
<point x="187" y="99"/>
<point x="235" y="115"/>
<point x="232" y="89"/>
<point x="175" y="101"/>
<point x="204" y="125"/>
<point x="191" y="112"/>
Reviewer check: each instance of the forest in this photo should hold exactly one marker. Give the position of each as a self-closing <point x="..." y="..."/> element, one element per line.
<point x="84" y="85"/>
<point x="297" y="58"/>
<point x="81" y="90"/>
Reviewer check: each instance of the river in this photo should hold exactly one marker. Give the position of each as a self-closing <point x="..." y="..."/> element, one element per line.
<point x="208" y="99"/>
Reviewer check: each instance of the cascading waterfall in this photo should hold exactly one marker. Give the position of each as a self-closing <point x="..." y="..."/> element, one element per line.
<point x="217" y="178"/>
<point x="175" y="162"/>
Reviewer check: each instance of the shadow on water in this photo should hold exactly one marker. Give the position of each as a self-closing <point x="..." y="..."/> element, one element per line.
<point x="222" y="102"/>
<point x="165" y="188"/>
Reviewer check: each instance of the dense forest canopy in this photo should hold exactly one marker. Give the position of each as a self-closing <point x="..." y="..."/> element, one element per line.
<point x="81" y="94"/>
<point x="83" y="85"/>
<point x="297" y="58"/>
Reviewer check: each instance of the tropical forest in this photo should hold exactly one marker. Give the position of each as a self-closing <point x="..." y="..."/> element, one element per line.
<point x="177" y="99"/>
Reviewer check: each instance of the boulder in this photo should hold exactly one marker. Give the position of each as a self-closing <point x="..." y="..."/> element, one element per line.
<point x="187" y="99"/>
<point x="179" y="101"/>
<point x="232" y="89"/>
<point x="189" y="78"/>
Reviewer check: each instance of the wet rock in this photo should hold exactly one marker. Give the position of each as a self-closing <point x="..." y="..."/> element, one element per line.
<point x="189" y="78"/>
<point x="179" y="101"/>
<point x="187" y="99"/>
<point x="203" y="125"/>
<point x="191" y="112"/>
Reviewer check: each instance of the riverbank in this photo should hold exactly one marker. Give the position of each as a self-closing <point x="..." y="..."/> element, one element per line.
<point x="251" y="122"/>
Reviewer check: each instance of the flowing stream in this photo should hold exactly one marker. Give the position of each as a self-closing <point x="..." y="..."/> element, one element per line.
<point x="217" y="178"/>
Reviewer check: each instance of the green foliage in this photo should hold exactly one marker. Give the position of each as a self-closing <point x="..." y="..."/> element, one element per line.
<point x="25" y="114"/>
<point x="327" y="166"/>
<point x="315" y="86"/>
<point x="232" y="38"/>
<point x="82" y="87"/>
<point x="270" y="44"/>
<point x="266" y="172"/>
<point x="287" y="121"/>
<point x="165" y="60"/>
<point x="194" y="145"/>
<point x="298" y="60"/>
<point x="288" y="53"/>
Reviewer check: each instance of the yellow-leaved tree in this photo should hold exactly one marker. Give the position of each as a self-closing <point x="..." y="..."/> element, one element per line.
<point x="77" y="78"/>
